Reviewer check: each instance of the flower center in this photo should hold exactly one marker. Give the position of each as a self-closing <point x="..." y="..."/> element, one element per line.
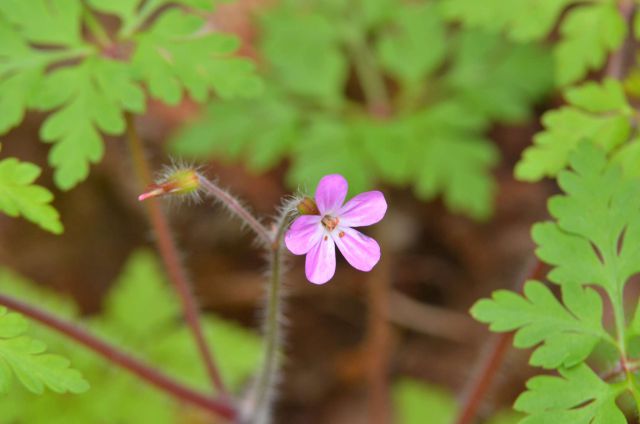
<point x="329" y="222"/>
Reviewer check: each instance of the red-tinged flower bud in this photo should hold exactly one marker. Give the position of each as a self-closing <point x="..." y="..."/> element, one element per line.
<point x="307" y="206"/>
<point x="180" y="181"/>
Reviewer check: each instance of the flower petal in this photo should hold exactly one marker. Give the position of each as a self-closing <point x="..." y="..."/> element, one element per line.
<point x="364" y="209"/>
<point x="361" y="251"/>
<point x="303" y="234"/>
<point x="330" y="193"/>
<point x="321" y="261"/>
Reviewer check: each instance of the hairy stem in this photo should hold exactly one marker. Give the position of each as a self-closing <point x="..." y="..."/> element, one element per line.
<point x="236" y="208"/>
<point x="263" y="392"/>
<point x="112" y="354"/>
<point x="169" y="254"/>
<point x="490" y="363"/>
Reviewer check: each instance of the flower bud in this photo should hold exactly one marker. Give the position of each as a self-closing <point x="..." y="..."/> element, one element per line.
<point x="177" y="181"/>
<point x="307" y="206"/>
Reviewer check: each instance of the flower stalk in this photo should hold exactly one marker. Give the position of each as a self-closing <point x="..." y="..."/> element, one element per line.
<point x="263" y="392"/>
<point x="171" y="260"/>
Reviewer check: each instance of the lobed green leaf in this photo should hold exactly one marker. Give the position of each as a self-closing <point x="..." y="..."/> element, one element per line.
<point x="20" y="197"/>
<point x="27" y="360"/>
<point x="563" y="335"/>
<point x="597" y="113"/>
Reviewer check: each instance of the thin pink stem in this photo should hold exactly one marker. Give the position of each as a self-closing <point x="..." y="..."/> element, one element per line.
<point x="236" y="208"/>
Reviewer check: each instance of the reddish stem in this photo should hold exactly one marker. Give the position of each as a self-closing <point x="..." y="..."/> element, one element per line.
<point x="114" y="355"/>
<point x="169" y="254"/>
<point x="619" y="60"/>
<point x="490" y="363"/>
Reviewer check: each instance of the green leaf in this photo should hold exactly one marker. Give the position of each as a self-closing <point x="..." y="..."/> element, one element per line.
<point x="133" y="13"/>
<point x="522" y="20"/>
<point x="582" y="50"/>
<point x="20" y="197"/>
<point x="450" y="158"/>
<point x="579" y="396"/>
<point x="402" y="47"/>
<point x="304" y="54"/>
<point x="578" y="50"/>
<point x="330" y="147"/>
<point x="418" y="403"/>
<point x="565" y="336"/>
<point x="48" y="22"/>
<point x="596" y="237"/>
<point x="599" y="113"/>
<point x="26" y="358"/>
<point x="92" y="98"/>
<point x="177" y="52"/>
<point x="262" y="132"/>
<point x="498" y="78"/>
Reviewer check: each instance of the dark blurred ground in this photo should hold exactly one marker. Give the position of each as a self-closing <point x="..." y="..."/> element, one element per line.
<point x="431" y="256"/>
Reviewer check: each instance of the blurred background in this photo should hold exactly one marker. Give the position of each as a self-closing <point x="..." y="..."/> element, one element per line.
<point x="392" y="94"/>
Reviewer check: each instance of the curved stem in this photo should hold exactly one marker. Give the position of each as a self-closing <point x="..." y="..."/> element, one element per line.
<point x="116" y="356"/>
<point x="170" y="258"/>
<point x="236" y="208"/>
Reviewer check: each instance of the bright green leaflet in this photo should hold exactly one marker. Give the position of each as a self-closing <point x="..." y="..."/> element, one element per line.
<point x="26" y="359"/>
<point x="577" y="52"/>
<point x="594" y="240"/>
<point x="597" y="112"/>
<point x="20" y="197"/>
<point x="578" y="396"/>
<point x="565" y="336"/>
<point x="154" y="333"/>
<point x="435" y="141"/>
<point x="87" y="89"/>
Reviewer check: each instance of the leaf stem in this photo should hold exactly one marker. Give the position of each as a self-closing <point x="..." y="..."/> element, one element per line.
<point x="112" y="354"/>
<point x="236" y="208"/>
<point x="370" y="77"/>
<point x="95" y="27"/>
<point x="169" y="254"/>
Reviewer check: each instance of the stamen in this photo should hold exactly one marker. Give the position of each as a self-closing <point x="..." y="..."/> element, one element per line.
<point x="341" y="234"/>
<point x="329" y="222"/>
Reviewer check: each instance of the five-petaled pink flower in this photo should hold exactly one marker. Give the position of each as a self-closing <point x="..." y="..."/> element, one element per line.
<point x="317" y="235"/>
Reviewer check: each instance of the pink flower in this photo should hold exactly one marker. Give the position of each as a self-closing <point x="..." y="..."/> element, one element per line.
<point x="317" y="235"/>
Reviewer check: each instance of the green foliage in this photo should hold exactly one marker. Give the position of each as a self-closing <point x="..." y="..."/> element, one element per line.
<point x="141" y="313"/>
<point x="27" y="359"/>
<point x="578" y="51"/>
<point x="593" y="240"/>
<point x="564" y="336"/>
<point x="46" y="64"/>
<point x="578" y="396"/>
<point x="312" y="113"/>
<point x="598" y="113"/>
<point x="20" y="197"/>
